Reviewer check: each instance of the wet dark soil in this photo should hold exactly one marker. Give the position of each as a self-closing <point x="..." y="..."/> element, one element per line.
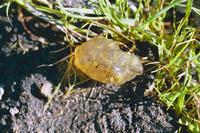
<point x="97" y="109"/>
<point x="92" y="108"/>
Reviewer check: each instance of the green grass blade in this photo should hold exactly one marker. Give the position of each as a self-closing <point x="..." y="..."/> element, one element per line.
<point x="162" y="11"/>
<point x="180" y="103"/>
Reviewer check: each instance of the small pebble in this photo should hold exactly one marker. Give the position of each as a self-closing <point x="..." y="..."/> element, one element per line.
<point x="14" y="111"/>
<point x="1" y="92"/>
<point x="46" y="89"/>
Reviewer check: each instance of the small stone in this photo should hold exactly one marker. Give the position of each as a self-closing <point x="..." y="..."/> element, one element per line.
<point x="14" y="111"/>
<point x="46" y="89"/>
<point x="101" y="59"/>
<point x="1" y="92"/>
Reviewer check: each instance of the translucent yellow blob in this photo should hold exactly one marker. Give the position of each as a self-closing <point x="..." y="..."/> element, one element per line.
<point x="101" y="59"/>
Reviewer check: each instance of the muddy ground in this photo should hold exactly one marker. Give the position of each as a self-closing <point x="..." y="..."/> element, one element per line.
<point x="92" y="108"/>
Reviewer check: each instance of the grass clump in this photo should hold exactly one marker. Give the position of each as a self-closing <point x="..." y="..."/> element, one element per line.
<point x="178" y="74"/>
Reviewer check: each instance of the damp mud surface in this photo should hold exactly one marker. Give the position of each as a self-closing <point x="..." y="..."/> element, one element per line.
<point x="91" y="108"/>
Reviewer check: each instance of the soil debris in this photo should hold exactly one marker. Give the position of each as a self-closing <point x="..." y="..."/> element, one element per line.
<point x="100" y="109"/>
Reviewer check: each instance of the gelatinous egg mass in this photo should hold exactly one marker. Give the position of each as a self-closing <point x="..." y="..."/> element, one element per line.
<point x="101" y="59"/>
